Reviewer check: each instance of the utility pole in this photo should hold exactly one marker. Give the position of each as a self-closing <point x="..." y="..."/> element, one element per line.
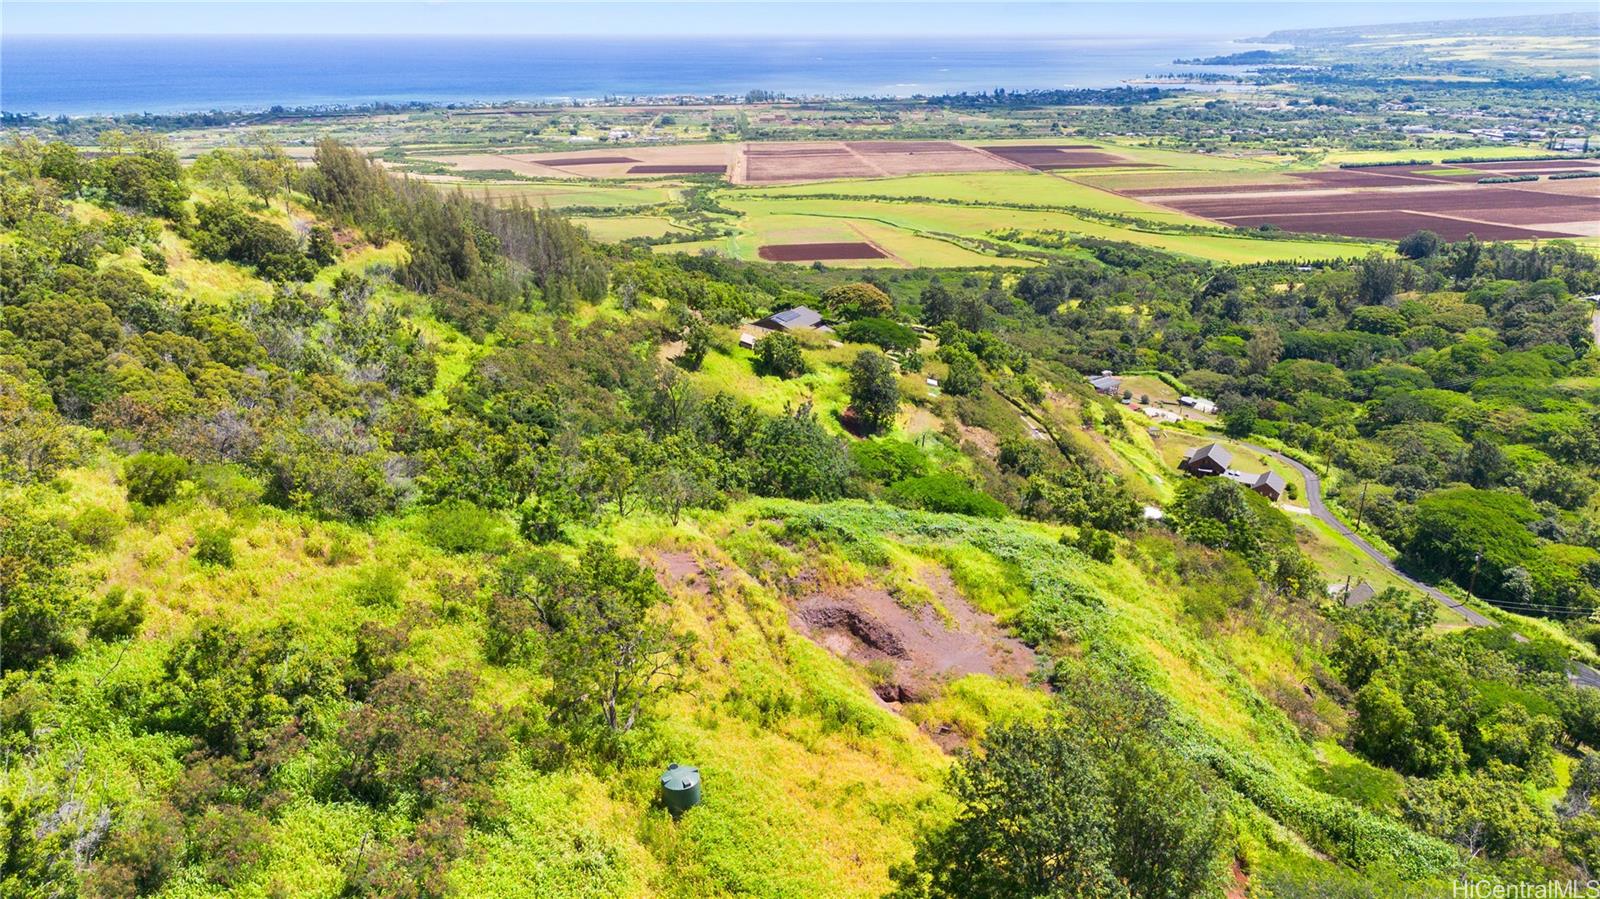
<point x="1472" y="586"/>
<point x="1362" y="508"/>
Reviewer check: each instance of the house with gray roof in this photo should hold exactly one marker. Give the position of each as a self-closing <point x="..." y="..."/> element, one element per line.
<point x="1270" y="484"/>
<point x="1106" y="383"/>
<point x="789" y="319"/>
<point x="1361" y="593"/>
<point x="1207" y="461"/>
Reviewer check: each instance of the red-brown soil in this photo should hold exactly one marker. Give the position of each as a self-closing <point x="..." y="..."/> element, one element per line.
<point x="670" y="169"/>
<point x="865" y="624"/>
<point x="813" y="252"/>
<point x="1386" y="225"/>
<point x="587" y="160"/>
<point x="1535" y="166"/>
<point x="1048" y="157"/>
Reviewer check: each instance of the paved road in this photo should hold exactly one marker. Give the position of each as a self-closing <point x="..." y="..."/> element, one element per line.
<point x="1580" y="674"/>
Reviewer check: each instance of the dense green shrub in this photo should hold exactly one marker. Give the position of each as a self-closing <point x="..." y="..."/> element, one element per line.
<point x="887" y="460"/>
<point x="378" y="587"/>
<point x="459" y="526"/>
<point x="153" y="478"/>
<point x="779" y="354"/>
<point x="42" y="604"/>
<point x="963" y="377"/>
<point x="117" y="616"/>
<point x="882" y="332"/>
<point x="96" y="527"/>
<point x="874" y="391"/>
<point x="213" y="545"/>
<point x="793" y="456"/>
<point x="857" y="301"/>
<point x="944" y="492"/>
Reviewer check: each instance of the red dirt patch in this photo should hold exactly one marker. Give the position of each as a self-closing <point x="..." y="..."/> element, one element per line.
<point x="587" y="160"/>
<point x="815" y="252"/>
<point x="865" y="624"/>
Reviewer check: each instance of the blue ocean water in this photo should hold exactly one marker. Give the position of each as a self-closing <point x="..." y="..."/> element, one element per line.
<point x="52" y="75"/>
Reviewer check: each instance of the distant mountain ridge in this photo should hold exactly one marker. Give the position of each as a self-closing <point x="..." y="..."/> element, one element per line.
<point x="1551" y="25"/>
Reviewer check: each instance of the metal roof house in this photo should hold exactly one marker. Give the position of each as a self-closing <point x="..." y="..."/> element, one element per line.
<point x="789" y="319"/>
<point x="1106" y="383"/>
<point x="1210" y="460"/>
<point x="1270" y="484"/>
<point x="1359" y="594"/>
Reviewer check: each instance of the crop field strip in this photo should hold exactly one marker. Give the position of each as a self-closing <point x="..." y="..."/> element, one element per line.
<point x="1389" y="205"/>
<point x="814" y="252"/>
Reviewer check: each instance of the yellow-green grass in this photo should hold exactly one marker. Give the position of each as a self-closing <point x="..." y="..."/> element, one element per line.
<point x="1199" y="180"/>
<point x="562" y="194"/>
<point x="1027" y="188"/>
<point x="785" y="222"/>
<point x="1495" y="151"/>
<point x="798" y="804"/>
<point x="613" y="229"/>
<point x="733" y="370"/>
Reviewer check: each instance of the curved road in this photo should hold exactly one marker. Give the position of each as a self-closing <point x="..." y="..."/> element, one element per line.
<point x="1580" y="673"/>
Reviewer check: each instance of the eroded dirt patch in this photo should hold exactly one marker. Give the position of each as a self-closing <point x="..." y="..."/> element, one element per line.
<point x="922" y="648"/>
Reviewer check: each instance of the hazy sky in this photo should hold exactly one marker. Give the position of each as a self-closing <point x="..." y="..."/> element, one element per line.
<point x="634" y="18"/>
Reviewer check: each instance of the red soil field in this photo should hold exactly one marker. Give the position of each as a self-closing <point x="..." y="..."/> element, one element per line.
<point x="669" y="169"/>
<point x="806" y="165"/>
<point x="1071" y="156"/>
<point x="1535" y="166"/>
<point x="1491" y="200"/>
<point x="1386" y="225"/>
<point x="1357" y="178"/>
<point x="905" y="146"/>
<point x="813" y="252"/>
<point x="917" y="157"/>
<point x="587" y="160"/>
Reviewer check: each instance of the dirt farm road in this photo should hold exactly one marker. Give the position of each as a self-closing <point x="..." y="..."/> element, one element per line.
<point x="1580" y="674"/>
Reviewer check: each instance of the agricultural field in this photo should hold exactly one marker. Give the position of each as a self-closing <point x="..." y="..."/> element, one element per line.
<point x="1388" y="202"/>
<point x="1031" y="197"/>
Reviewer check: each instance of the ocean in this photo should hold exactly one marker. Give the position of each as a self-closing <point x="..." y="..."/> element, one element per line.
<point x="74" y="76"/>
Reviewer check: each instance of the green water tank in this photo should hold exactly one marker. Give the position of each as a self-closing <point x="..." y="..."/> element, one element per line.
<point x="680" y="788"/>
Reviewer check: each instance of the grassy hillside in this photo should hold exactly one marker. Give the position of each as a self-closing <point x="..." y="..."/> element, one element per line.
<point x="359" y="540"/>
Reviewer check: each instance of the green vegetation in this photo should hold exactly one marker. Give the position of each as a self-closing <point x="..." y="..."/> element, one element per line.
<point x="363" y="536"/>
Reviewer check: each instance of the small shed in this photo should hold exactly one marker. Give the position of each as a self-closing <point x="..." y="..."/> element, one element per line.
<point x="1207" y="461"/>
<point x="747" y="341"/>
<point x="789" y="319"/>
<point x="1198" y="404"/>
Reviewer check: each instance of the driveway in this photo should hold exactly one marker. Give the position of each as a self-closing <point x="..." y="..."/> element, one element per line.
<point x="1580" y="673"/>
